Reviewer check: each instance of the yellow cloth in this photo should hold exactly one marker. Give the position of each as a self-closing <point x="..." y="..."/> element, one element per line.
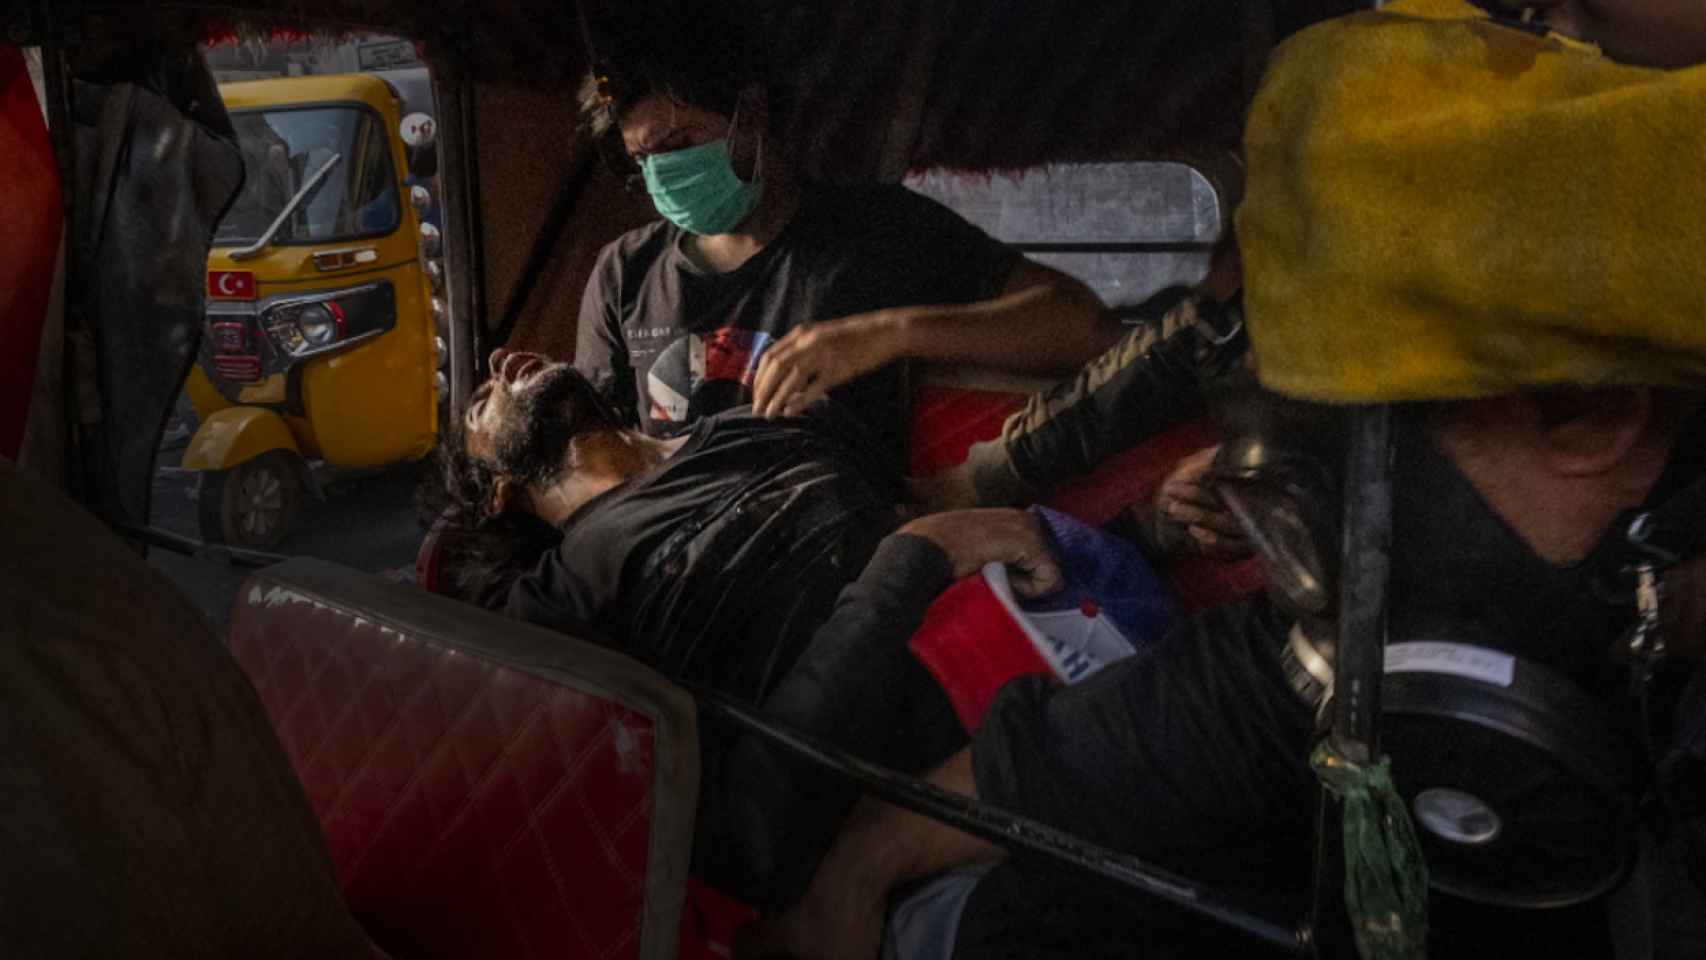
<point x="1439" y="206"/>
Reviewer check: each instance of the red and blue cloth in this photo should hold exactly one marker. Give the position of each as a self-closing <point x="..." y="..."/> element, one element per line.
<point x="978" y="634"/>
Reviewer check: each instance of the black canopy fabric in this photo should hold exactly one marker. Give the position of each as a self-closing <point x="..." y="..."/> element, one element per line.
<point x="866" y="89"/>
<point x="875" y="86"/>
<point x="157" y="165"/>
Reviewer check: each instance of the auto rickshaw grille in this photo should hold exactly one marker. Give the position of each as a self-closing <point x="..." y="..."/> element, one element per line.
<point x="233" y="340"/>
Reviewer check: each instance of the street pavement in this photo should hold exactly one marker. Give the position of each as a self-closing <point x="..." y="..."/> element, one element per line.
<point x="367" y="523"/>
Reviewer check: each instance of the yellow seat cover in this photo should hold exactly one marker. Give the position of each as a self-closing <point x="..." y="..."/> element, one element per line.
<point x="1441" y="206"/>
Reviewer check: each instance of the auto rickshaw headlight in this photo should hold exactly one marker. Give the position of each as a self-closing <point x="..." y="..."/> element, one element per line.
<point x="323" y="322"/>
<point x="319" y="323"/>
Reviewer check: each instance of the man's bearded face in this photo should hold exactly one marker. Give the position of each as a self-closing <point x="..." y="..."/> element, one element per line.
<point x="538" y="423"/>
<point x="521" y="422"/>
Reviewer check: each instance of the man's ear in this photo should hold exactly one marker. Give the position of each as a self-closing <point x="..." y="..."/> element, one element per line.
<point x="504" y="492"/>
<point x="1587" y="432"/>
<point x="752" y="113"/>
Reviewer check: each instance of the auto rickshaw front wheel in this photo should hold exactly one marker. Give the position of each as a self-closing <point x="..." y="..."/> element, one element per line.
<point x="252" y="504"/>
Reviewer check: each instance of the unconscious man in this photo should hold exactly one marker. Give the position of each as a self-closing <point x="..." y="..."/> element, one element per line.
<point x="711" y="556"/>
<point x="1546" y="349"/>
<point x="717" y="558"/>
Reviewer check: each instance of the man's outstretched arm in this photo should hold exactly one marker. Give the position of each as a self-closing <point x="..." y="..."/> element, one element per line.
<point x="1042" y="321"/>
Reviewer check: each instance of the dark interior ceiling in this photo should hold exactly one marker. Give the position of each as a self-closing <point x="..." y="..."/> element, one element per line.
<point x="870" y="88"/>
<point x="878" y="86"/>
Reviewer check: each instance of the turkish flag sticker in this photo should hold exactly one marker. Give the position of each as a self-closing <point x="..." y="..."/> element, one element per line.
<point x="231" y="284"/>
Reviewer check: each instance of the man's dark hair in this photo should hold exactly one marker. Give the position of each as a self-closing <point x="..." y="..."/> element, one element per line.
<point x="703" y="60"/>
<point x="482" y="552"/>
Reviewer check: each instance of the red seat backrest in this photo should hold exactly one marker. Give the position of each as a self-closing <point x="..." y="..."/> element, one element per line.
<point x="487" y="788"/>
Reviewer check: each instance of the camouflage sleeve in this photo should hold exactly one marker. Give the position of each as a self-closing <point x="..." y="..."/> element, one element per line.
<point x="1148" y="382"/>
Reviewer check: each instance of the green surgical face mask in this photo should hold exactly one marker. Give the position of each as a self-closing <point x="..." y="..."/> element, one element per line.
<point x="696" y="188"/>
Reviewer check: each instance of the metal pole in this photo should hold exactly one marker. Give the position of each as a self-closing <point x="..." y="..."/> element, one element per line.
<point x="476" y="226"/>
<point x="1361" y="657"/>
<point x="1366" y="564"/>
<point x="1007" y="830"/>
<point x="58" y="98"/>
<point x="461" y="224"/>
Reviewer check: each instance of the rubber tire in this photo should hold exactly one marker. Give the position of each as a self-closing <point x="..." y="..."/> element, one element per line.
<point x="219" y="501"/>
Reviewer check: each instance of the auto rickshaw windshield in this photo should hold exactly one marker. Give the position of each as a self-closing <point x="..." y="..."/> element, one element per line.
<point x="283" y="148"/>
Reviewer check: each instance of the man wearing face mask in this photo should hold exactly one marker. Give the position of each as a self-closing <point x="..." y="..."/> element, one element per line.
<point x="1549" y="393"/>
<point x="756" y="287"/>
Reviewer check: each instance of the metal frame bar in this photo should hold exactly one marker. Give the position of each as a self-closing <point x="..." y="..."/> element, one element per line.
<point x="476" y="234"/>
<point x="1010" y="831"/>
<point x="1367" y="561"/>
<point x="1361" y="657"/>
<point x="191" y="547"/>
<point x="463" y="255"/>
<point x="47" y="17"/>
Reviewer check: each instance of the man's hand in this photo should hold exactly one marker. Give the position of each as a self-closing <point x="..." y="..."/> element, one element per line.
<point x="1188" y="517"/>
<point x="972" y="538"/>
<point x="811" y="360"/>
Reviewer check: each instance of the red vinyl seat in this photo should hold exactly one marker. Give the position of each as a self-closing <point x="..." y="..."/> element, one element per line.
<point x="487" y="788"/>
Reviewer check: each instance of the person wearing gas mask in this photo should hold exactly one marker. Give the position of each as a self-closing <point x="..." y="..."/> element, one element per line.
<point x="1548" y="465"/>
<point x="758" y="287"/>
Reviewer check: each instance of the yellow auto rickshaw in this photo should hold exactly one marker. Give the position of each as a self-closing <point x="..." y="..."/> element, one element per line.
<point x="322" y="347"/>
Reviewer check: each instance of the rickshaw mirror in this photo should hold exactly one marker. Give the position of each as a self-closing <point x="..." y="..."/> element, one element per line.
<point x="419" y="132"/>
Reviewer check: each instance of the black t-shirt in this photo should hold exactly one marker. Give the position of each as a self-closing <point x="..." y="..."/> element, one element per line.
<point x="668" y="342"/>
<point x="717" y="565"/>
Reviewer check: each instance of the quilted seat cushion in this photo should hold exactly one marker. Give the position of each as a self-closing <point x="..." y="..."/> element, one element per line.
<point x="487" y="789"/>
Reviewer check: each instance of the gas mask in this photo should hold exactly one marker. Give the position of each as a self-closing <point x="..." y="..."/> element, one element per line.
<point x="1516" y="741"/>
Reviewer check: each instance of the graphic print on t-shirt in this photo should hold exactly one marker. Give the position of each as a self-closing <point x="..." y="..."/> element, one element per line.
<point x="708" y="371"/>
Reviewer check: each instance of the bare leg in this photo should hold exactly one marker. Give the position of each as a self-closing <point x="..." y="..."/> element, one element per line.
<point x="881" y="847"/>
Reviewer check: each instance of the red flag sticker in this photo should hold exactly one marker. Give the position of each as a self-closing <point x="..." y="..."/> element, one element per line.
<point x="231" y="284"/>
